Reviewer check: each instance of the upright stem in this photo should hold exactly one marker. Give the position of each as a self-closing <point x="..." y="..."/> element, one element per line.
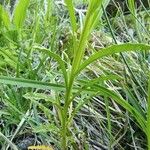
<point x="92" y="13"/>
<point x="65" y="113"/>
<point x="64" y="131"/>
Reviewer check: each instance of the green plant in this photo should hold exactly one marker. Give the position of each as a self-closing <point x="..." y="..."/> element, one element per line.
<point x="72" y="86"/>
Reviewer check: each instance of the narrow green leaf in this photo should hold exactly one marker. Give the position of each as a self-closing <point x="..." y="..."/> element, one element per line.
<point x="112" y="50"/>
<point x="94" y="6"/>
<point x="71" y="11"/>
<point x="100" y="79"/>
<point x="30" y="83"/>
<point x="131" y="6"/>
<point x="58" y="59"/>
<point x="4" y="17"/>
<point x="134" y="101"/>
<point x="27" y="83"/>
<point x="20" y="13"/>
<point x="72" y="14"/>
<point x="139" y="118"/>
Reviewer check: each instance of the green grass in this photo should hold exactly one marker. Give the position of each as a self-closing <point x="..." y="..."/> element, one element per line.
<point x="68" y="90"/>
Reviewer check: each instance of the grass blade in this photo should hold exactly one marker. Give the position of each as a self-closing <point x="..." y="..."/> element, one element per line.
<point x="72" y="14"/>
<point x="30" y="83"/>
<point x="8" y="141"/>
<point x="112" y="50"/>
<point x="20" y="13"/>
<point x="139" y="118"/>
<point x="92" y="13"/>
<point x="58" y="59"/>
<point x="4" y="17"/>
<point x="132" y="8"/>
<point x="134" y="101"/>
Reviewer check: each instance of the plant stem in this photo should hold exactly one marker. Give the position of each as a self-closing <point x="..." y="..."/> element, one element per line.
<point x="65" y="113"/>
<point x="64" y="131"/>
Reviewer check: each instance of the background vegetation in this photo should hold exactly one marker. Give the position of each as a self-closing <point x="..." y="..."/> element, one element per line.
<point x="75" y="74"/>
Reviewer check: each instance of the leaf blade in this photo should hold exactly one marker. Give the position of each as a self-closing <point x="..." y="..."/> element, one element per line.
<point x="20" y="13"/>
<point x="30" y="83"/>
<point x="112" y="50"/>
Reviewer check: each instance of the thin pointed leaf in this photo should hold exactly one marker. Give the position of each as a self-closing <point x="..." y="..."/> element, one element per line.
<point x="112" y="50"/>
<point x="20" y="13"/>
<point x="92" y="11"/>
<point x="58" y="59"/>
<point x="139" y="118"/>
<point x="134" y="101"/>
<point x="30" y="83"/>
<point x="72" y="14"/>
<point x="4" y="17"/>
<point x="100" y="79"/>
